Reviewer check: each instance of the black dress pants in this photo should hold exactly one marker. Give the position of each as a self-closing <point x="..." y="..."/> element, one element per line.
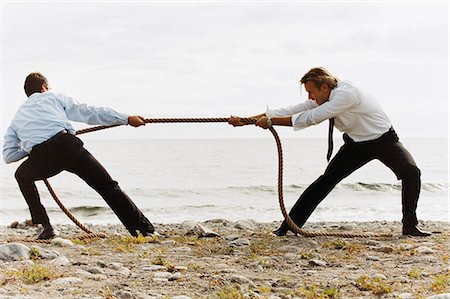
<point x="351" y="156"/>
<point x="66" y="152"/>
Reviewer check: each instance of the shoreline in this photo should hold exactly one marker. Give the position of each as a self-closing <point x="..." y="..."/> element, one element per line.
<point x="229" y="259"/>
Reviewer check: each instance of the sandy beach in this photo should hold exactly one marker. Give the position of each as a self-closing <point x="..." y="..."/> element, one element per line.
<point x="225" y="259"/>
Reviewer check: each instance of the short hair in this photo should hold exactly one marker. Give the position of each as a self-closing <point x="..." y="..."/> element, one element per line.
<point x="34" y="83"/>
<point x="320" y="76"/>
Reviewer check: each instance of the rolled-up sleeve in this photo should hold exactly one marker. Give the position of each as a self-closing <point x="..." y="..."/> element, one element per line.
<point x="290" y="110"/>
<point x="338" y="103"/>
<point x="12" y="149"/>
<point x="91" y="115"/>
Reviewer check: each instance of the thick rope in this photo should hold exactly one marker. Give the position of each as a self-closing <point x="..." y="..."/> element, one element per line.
<point x="288" y="219"/>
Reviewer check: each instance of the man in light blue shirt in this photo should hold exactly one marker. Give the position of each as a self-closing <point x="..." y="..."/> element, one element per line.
<point x="41" y="130"/>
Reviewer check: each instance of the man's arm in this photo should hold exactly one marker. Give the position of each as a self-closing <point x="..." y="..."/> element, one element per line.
<point x="12" y="150"/>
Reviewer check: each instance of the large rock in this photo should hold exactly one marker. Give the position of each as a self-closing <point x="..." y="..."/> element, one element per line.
<point x="14" y="252"/>
<point x="45" y="253"/>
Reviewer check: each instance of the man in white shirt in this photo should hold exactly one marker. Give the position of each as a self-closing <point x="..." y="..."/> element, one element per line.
<point x="368" y="135"/>
<point x="41" y="130"/>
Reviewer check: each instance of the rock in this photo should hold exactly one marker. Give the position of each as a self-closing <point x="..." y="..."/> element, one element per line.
<point x="14" y="224"/>
<point x="232" y="237"/>
<point x="124" y="271"/>
<point x="371" y="257"/>
<point x="245" y="224"/>
<point x="14" y="252"/>
<point x="60" y="242"/>
<point x="181" y="249"/>
<point x="289" y="248"/>
<point x="240" y="242"/>
<point x="60" y="261"/>
<point x="346" y="227"/>
<point x="424" y="250"/>
<point x="405" y="296"/>
<point x="153" y="268"/>
<point x="181" y="297"/>
<point x="188" y="225"/>
<point x="240" y="279"/>
<point x="45" y="253"/>
<point x="168" y="242"/>
<point x="95" y="270"/>
<point x="67" y="280"/>
<point x="373" y="243"/>
<point x="180" y="268"/>
<point x="175" y="276"/>
<point x="318" y="263"/>
<point x="123" y="294"/>
<point x="115" y="266"/>
<point x="440" y="296"/>
<point x="385" y="249"/>
<point x="165" y="275"/>
<point x="378" y="276"/>
<point x="205" y="232"/>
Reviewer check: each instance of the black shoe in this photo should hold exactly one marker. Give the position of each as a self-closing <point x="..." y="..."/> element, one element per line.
<point x="47" y="233"/>
<point x="414" y="231"/>
<point x="282" y="230"/>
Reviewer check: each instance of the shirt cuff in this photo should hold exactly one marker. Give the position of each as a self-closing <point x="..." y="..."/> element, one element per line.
<point x="269" y="112"/>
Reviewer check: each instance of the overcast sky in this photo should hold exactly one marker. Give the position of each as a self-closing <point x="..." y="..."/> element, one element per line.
<point x="194" y="59"/>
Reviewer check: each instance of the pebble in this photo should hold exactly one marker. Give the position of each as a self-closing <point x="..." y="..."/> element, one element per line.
<point x="424" y="250"/>
<point x="240" y="279"/>
<point x="378" y="276"/>
<point x="60" y="261"/>
<point x="289" y="248"/>
<point x="67" y="280"/>
<point x="204" y="231"/>
<point x="232" y="237"/>
<point x="162" y="275"/>
<point x="405" y="296"/>
<point x="60" y="242"/>
<point x="175" y="276"/>
<point x="181" y="249"/>
<point x="95" y="270"/>
<point x="440" y="296"/>
<point x="372" y="257"/>
<point x="385" y="249"/>
<point x="123" y="294"/>
<point x="318" y="263"/>
<point x="240" y="242"/>
<point x="153" y="268"/>
<point x="180" y="297"/>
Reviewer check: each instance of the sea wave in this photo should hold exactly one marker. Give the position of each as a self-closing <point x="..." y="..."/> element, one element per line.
<point x="358" y="186"/>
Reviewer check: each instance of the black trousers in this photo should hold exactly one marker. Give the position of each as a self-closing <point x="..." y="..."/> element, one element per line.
<point x="66" y="152"/>
<point x="351" y="156"/>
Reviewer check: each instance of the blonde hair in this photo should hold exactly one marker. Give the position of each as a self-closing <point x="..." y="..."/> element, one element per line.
<point x="319" y="76"/>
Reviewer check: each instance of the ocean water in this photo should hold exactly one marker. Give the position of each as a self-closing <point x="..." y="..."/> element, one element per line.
<point x="201" y="179"/>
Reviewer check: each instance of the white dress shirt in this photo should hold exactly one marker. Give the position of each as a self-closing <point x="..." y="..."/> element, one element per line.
<point x="355" y="112"/>
<point x="43" y="115"/>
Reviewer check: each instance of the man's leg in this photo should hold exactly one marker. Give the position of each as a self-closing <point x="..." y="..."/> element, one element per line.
<point x="27" y="173"/>
<point x="95" y="175"/>
<point x="36" y="167"/>
<point x="395" y="156"/>
<point x="346" y="161"/>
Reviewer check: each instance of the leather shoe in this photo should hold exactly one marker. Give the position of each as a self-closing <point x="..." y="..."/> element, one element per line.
<point x="414" y="231"/>
<point x="280" y="232"/>
<point x="47" y="233"/>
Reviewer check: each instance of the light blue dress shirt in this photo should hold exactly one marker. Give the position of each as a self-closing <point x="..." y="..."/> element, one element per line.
<point x="43" y="115"/>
